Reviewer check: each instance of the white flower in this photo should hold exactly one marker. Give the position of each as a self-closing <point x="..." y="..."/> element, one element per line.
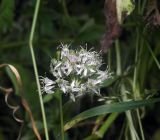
<point x="75" y="86"/>
<point x="77" y="72"/>
<point x="55" y="68"/>
<point x="47" y="85"/>
<point x="93" y="86"/>
<point x="64" y="51"/>
<point x="103" y="75"/>
<point x="63" y="85"/>
<point x="90" y="58"/>
<point x="57" y="72"/>
<point x="77" y="89"/>
<point x="72" y="58"/>
<point x="81" y="69"/>
<point x="66" y="68"/>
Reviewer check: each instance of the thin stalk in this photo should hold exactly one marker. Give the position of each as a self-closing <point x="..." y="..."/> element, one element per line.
<point x="134" y="135"/>
<point x="61" y="117"/>
<point x="118" y="56"/>
<point x="65" y="8"/>
<point x="135" y="88"/>
<point x="154" y="57"/>
<point x="135" y="69"/>
<point x="139" y="6"/>
<point x="109" y="59"/>
<point x="126" y="131"/>
<point x="140" y="124"/>
<point x="112" y="117"/>
<point x="122" y="131"/>
<point x="35" y="67"/>
<point x="143" y="6"/>
<point x="131" y="126"/>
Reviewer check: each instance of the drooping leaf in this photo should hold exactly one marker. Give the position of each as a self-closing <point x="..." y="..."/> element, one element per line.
<point x="108" y="108"/>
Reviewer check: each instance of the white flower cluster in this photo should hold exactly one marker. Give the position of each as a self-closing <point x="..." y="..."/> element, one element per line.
<point x="76" y="73"/>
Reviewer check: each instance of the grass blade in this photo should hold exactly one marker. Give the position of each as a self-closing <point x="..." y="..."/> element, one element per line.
<point x="108" y="108"/>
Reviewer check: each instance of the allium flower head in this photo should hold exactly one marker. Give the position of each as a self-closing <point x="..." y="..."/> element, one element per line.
<point x="77" y="72"/>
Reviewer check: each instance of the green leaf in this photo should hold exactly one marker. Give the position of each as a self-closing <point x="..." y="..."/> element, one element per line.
<point x="108" y="108"/>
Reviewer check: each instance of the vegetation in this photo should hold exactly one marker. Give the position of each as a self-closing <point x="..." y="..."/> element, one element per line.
<point x="127" y="33"/>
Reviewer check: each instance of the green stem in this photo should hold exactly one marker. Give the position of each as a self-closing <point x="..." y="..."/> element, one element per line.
<point x="131" y="126"/>
<point x="100" y="133"/>
<point x="140" y="124"/>
<point x="61" y="116"/>
<point x="65" y="8"/>
<point x="135" y="88"/>
<point x="135" y="69"/>
<point x="35" y="67"/>
<point x="139" y="6"/>
<point x="118" y="56"/>
<point x="141" y="10"/>
<point x="154" y="57"/>
<point x="134" y="135"/>
<point x="109" y="59"/>
<point x="126" y="131"/>
<point x="143" y="6"/>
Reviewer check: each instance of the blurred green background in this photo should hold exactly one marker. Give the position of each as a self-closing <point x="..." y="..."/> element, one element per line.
<point x="77" y="23"/>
